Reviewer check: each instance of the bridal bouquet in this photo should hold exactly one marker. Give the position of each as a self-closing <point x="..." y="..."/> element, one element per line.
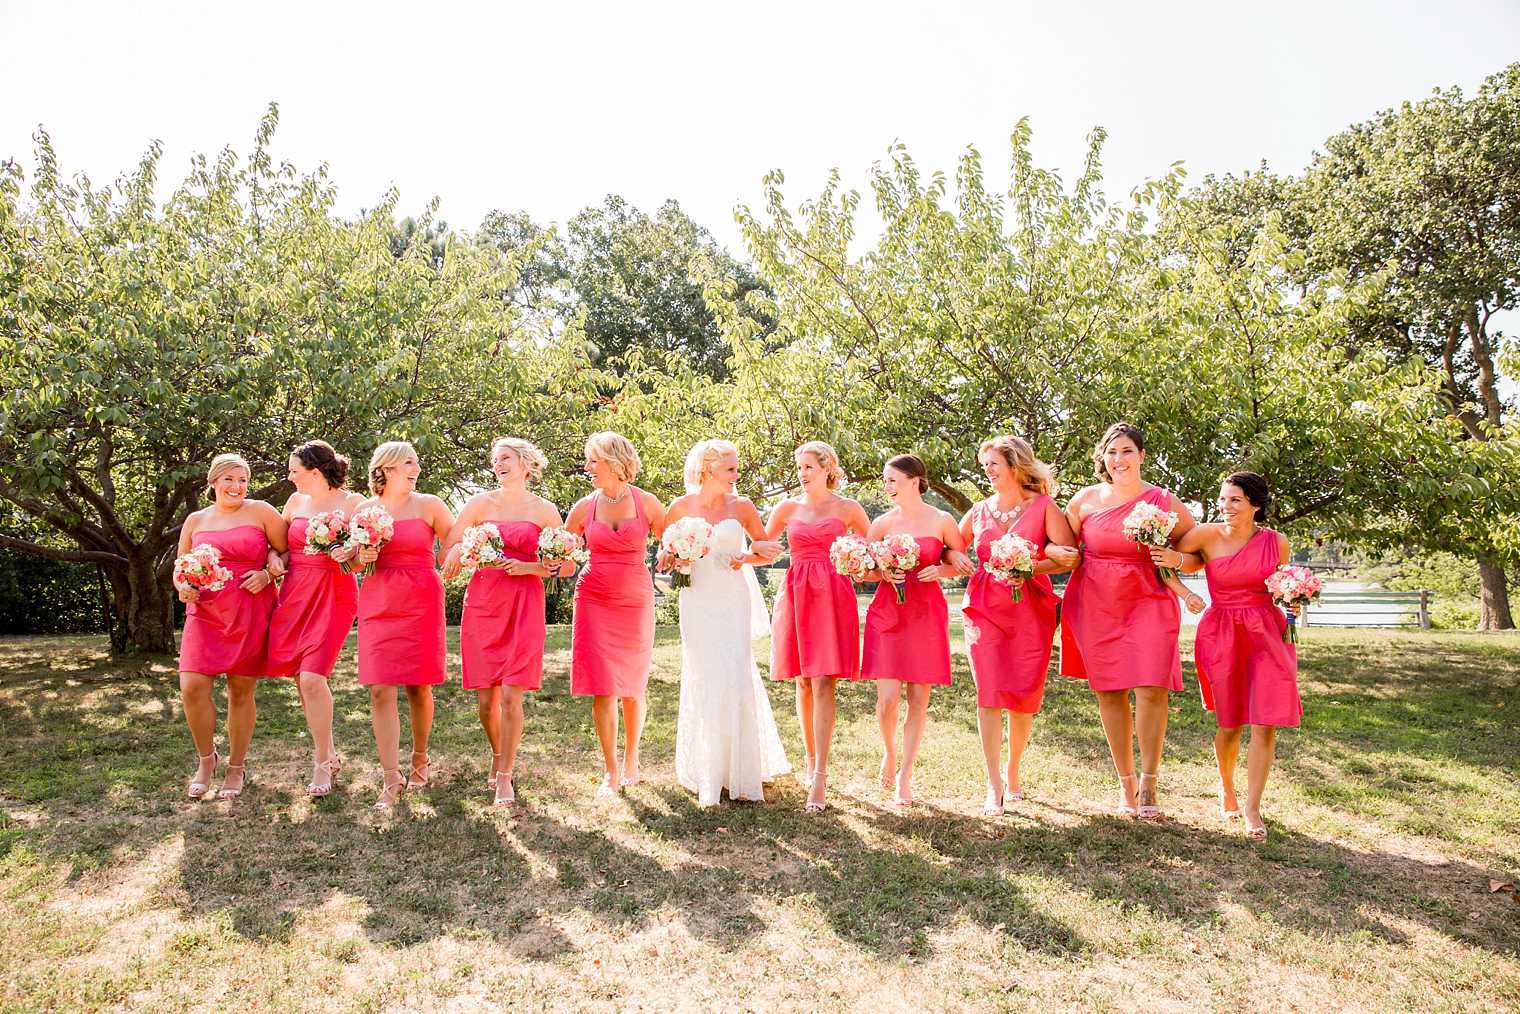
<point x="1012" y="556"/>
<point x="1293" y="586"/>
<point x="560" y="545"/>
<point x="896" y="554"/>
<point x="201" y="570"/>
<point x="371" y="528"/>
<point x="688" y="540"/>
<point x="1149" y="526"/>
<point x="481" y="546"/>
<point x="325" y="532"/>
<point x="851" y="556"/>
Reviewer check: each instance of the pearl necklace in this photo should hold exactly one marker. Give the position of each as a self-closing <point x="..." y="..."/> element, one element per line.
<point x="1005" y="519"/>
<point x="615" y="499"/>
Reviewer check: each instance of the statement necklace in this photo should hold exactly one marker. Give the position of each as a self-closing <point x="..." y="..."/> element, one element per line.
<point x="1005" y="519"/>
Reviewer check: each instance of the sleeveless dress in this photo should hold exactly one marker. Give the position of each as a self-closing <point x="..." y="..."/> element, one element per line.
<point x="226" y="631"/>
<point x="910" y="640"/>
<point x="1248" y="675"/>
<point x="1120" y="623"/>
<point x="816" y="631"/>
<point x="501" y="634"/>
<point x="612" y="631"/>
<point x="1009" y="642"/>
<point x="726" y="737"/>
<point x="401" y="612"/>
<point x="315" y="611"/>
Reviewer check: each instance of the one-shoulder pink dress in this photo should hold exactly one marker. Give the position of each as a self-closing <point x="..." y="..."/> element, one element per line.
<point x="1119" y="622"/>
<point x="315" y="611"/>
<point x="501" y="634"/>
<point x="401" y="612"/>
<point x="226" y="631"/>
<point x="815" y="630"/>
<point x="1248" y="674"/>
<point x="910" y="640"/>
<point x="1009" y="642"/>
<point x="612" y="632"/>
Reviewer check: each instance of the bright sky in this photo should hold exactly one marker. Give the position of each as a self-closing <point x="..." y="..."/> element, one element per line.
<point x="547" y="107"/>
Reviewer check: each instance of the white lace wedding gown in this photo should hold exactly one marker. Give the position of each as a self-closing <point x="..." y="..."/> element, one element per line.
<point x="725" y="735"/>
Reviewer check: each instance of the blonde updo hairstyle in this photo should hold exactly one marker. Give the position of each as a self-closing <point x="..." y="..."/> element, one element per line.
<point x="1034" y="475"/>
<point x="388" y="454"/>
<point x="618" y="451"/>
<point x="828" y="460"/>
<point x="703" y="458"/>
<point x="532" y="458"/>
<point x="220" y="466"/>
<point x="1114" y="432"/>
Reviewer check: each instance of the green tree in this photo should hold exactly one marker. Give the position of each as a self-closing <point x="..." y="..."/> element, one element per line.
<point x="137" y="341"/>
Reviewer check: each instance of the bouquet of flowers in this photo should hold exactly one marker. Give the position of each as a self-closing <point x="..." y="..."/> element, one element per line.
<point x="481" y="546"/>
<point x="1293" y="586"/>
<point x="370" y="528"/>
<point x="1012" y="556"/>
<point x="1149" y="526"/>
<point x="896" y="554"/>
<point x="688" y="540"/>
<point x="560" y="545"/>
<point x="325" y="532"/>
<point x="851" y="556"/>
<point x="201" y="570"/>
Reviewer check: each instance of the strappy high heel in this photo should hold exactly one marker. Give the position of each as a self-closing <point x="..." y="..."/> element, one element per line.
<point x="315" y="789"/>
<point x="491" y="777"/>
<point x="1147" y="811"/>
<point x="1227" y="814"/>
<point x="418" y="779"/>
<point x="1124" y="809"/>
<point x="506" y="793"/>
<point x="197" y="789"/>
<point x="994" y="806"/>
<point x="226" y="793"/>
<point x="390" y="792"/>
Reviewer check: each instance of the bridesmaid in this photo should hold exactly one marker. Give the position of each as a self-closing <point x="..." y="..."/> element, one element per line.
<point x="318" y="600"/>
<point x="401" y="638"/>
<point x="815" y="629"/>
<point x="612" y="632"/>
<point x="907" y="644"/>
<point x="501" y="634"/>
<point x="1247" y="672"/>
<point x="225" y="631"/>
<point x="1120" y="625"/>
<point x="1009" y="642"/>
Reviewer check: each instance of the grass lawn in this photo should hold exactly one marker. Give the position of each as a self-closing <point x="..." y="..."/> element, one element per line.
<point x="1391" y="812"/>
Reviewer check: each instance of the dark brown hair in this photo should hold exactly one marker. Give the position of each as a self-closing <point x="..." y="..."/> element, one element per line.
<point x="1118" y="429"/>
<point x="1255" y="489"/>
<point x="913" y="467"/>
<point x="319" y="454"/>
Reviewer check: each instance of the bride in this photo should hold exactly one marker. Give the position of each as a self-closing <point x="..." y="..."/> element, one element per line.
<point x="725" y="735"/>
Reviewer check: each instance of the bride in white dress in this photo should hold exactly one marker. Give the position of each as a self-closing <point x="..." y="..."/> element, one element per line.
<point x="725" y="735"/>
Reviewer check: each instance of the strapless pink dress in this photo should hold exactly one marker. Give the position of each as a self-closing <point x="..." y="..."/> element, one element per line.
<point x="226" y="631"/>
<point x="910" y="640"/>
<point x="1010" y="642"/>
<point x="1247" y="673"/>
<point x="401" y="612"/>
<point x="315" y="612"/>
<point x="1119" y="623"/>
<point x="816" y="627"/>
<point x="501" y="634"/>
<point x="612" y="631"/>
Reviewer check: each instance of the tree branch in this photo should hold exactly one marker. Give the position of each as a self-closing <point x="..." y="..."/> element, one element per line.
<point x="65" y="555"/>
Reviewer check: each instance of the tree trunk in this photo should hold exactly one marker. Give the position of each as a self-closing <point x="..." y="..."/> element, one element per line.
<point x="954" y="497"/>
<point x="1495" y="613"/>
<point x="144" y="609"/>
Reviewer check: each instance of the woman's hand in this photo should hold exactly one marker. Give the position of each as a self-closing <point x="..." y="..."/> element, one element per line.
<point x="367" y="555"/>
<point x="564" y="568"/>
<point x="1296" y="609"/>
<point x="936" y="573"/>
<point x="1194" y="602"/>
<point x="1166" y="556"/>
<point x="451" y="563"/>
<point x="255" y="581"/>
<point x="664" y="560"/>
<point x="960" y="564"/>
<point x="342" y="554"/>
<point x="766" y="550"/>
<point x="1064" y="557"/>
<point x="187" y="595"/>
<point x="275" y="564"/>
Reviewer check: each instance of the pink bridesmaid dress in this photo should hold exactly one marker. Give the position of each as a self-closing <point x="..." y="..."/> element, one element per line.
<point x="1010" y="642"/>
<point x="816" y="627"/>
<point x="1248" y="674"/>
<point x="1120" y="623"/>
<point x="501" y="634"/>
<point x="401" y="612"/>
<point x="910" y="640"/>
<point x="226" y="631"/>
<point x="315" y="612"/>
<point x="612" y="632"/>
